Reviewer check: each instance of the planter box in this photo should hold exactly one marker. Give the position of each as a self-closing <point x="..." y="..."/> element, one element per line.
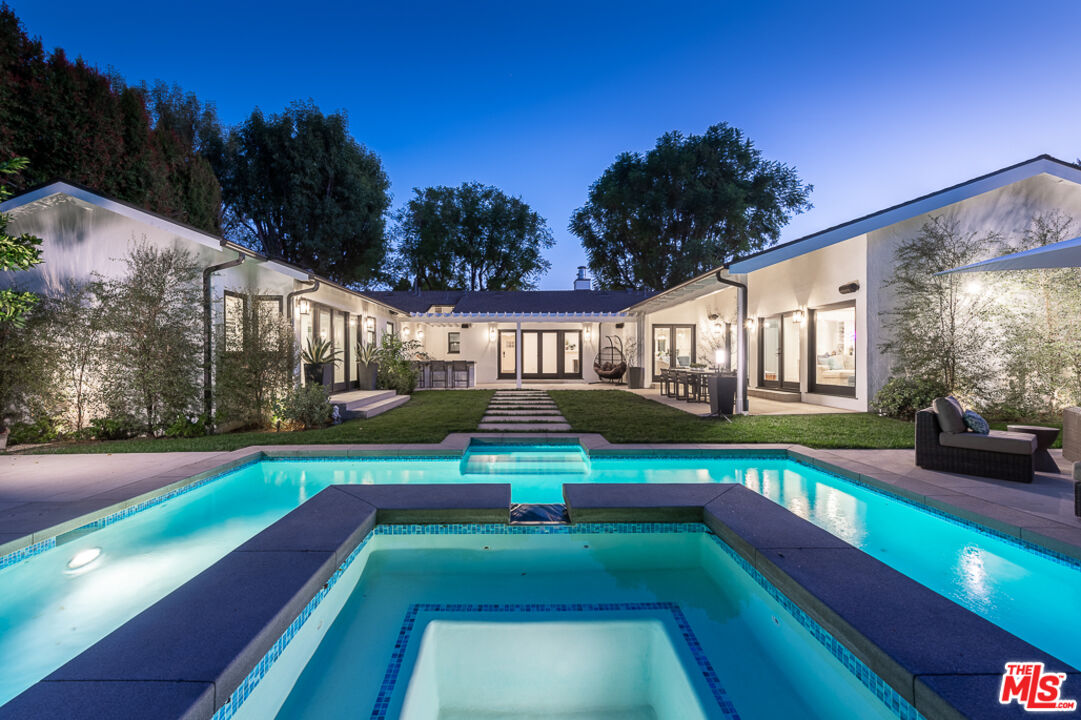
<point x="367" y="376"/>
<point x="636" y="377"/>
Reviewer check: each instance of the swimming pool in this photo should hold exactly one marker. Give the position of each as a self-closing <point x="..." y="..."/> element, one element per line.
<point x="51" y="608"/>
<point x="584" y="624"/>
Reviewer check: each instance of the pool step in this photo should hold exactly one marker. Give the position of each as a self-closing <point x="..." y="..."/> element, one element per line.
<point x="525" y="463"/>
<point x="539" y="514"/>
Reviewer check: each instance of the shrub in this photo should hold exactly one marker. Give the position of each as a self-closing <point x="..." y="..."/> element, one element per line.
<point x="187" y="427"/>
<point x="901" y="397"/>
<point x="255" y="361"/>
<point x="42" y="430"/>
<point x="305" y="407"/>
<point x="117" y="427"/>
<point x="395" y="358"/>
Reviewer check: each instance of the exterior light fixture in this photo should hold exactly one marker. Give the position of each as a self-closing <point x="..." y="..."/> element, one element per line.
<point x="587" y="332"/>
<point x="718" y="357"/>
<point x="491" y="333"/>
<point x="353" y="320"/>
<point x="83" y="558"/>
<point x="405" y="331"/>
<point x="717" y="328"/>
<point x="305" y="307"/>
<point x="799" y="316"/>
<point x="420" y="334"/>
<point x="749" y="323"/>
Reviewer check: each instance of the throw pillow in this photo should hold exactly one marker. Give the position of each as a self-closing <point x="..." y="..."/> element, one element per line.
<point x="949" y="417"/>
<point x="976" y="423"/>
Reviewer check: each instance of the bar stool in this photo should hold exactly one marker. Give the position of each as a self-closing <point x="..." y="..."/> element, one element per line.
<point x="459" y="374"/>
<point x="439" y="374"/>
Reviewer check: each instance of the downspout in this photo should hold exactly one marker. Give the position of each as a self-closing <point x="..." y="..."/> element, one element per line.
<point x="741" y="342"/>
<point x="208" y="334"/>
<point x="293" y="294"/>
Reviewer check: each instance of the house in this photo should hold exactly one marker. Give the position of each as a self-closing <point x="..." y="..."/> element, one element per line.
<point x="803" y="320"/>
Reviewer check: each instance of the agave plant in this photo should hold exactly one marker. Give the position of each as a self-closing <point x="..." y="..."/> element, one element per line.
<point x="366" y="353"/>
<point x="320" y="351"/>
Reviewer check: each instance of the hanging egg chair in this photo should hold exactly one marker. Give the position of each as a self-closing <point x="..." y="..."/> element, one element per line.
<point x="610" y="363"/>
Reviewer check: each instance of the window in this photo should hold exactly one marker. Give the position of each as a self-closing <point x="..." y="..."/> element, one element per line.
<point x="833" y="350"/>
<point x="454" y="343"/>
<point x="390" y="328"/>
<point x="234" y="321"/>
<point x="238" y="317"/>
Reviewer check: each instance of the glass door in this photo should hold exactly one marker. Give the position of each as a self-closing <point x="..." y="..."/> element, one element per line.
<point x="779" y="353"/>
<point x="508" y="360"/>
<point x="673" y="347"/>
<point x="545" y="354"/>
<point x="769" y="374"/>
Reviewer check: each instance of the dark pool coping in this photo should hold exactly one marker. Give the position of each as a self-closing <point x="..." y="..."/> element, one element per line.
<point x="185" y="655"/>
<point x="189" y="652"/>
<point x="62" y="517"/>
<point x="944" y="660"/>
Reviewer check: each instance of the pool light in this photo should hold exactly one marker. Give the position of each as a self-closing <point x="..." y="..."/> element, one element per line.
<point x="83" y="558"/>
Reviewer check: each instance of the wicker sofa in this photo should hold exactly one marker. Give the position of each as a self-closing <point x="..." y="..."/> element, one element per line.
<point x="1000" y="455"/>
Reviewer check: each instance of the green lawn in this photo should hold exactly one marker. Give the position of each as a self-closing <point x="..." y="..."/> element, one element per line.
<point x="621" y="417"/>
<point x="624" y="417"/>
<point x="427" y="418"/>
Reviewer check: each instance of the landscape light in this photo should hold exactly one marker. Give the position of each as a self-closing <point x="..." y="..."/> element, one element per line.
<point x="83" y="558"/>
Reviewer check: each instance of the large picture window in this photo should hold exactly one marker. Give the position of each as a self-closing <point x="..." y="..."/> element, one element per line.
<point x="833" y="350"/>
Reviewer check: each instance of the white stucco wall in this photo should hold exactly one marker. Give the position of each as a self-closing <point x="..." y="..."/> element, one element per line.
<point x="1007" y="211"/>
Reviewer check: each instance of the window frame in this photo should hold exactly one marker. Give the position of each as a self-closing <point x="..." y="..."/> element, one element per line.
<point x="812" y="353"/>
<point x="454" y="346"/>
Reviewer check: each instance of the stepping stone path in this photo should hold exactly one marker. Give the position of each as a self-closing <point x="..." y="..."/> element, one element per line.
<point x="523" y="411"/>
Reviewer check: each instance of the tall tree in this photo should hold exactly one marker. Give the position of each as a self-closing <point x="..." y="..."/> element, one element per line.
<point x="939" y="327"/>
<point x="75" y="122"/>
<point x="689" y="204"/>
<point x="472" y="237"/>
<point x="17" y="252"/>
<point x="298" y="187"/>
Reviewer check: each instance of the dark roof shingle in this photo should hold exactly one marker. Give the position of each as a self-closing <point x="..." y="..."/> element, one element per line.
<point x="514" y="301"/>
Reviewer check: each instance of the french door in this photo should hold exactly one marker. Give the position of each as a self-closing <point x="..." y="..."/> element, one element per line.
<point x="328" y="324"/>
<point x="546" y="354"/>
<point x="673" y="347"/>
<point x="778" y="353"/>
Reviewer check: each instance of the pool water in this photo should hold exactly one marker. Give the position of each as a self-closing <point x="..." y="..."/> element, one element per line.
<point x="50" y="612"/>
<point x="530" y="625"/>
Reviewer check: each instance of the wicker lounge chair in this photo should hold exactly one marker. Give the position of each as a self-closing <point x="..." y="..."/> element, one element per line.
<point x="944" y="446"/>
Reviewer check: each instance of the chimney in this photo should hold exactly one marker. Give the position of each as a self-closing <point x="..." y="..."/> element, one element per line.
<point x="582" y="282"/>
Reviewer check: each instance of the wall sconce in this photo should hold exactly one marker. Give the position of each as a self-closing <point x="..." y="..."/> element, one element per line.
<point x="353" y="320"/>
<point x="799" y="316"/>
<point x="750" y="323"/>
<point x="586" y="332"/>
<point x="305" y="307"/>
<point x="405" y="332"/>
<point x="717" y="328"/>
<point x="491" y="333"/>
<point x="420" y="334"/>
<point x="370" y="323"/>
<point x="718" y="357"/>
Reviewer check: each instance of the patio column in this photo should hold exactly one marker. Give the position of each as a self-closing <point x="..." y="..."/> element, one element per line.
<point x="518" y="355"/>
<point x="741" y="351"/>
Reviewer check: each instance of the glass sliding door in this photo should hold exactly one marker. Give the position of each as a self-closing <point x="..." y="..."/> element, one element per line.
<point x="341" y="381"/>
<point x="779" y="352"/>
<point x="832" y="350"/>
<point x="545" y="354"/>
<point x="673" y="347"/>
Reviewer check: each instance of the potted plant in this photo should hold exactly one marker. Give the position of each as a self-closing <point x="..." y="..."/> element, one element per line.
<point x="367" y="365"/>
<point x="319" y="359"/>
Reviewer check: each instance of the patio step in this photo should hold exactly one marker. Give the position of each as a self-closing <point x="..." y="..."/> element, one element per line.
<point x="518" y="411"/>
<point x="366" y="404"/>
<point x="778" y="395"/>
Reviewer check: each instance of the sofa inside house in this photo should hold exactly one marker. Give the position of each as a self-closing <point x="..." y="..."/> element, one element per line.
<point x="944" y="442"/>
<point x="835" y="369"/>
